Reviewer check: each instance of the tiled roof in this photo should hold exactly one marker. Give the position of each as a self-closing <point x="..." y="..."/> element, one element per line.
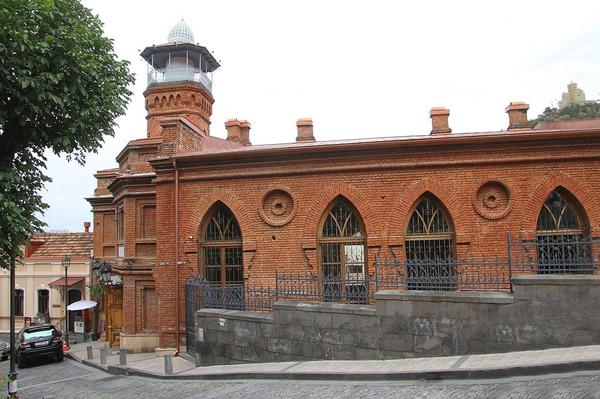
<point x="57" y="245"/>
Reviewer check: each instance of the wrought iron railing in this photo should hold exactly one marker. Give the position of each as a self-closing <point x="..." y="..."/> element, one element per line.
<point x="557" y="254"/>
<point x="307" y="287"/>
<point x="239" y="297"/>
<point x="179" y="74"/>
<point x="476" y="274"/>
<point x="543" y="254"/>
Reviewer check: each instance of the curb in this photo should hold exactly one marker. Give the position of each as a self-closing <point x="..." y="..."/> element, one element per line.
<point x="394" y="376"/>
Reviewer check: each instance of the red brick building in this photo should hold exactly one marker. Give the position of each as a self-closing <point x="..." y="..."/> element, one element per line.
<point x="183" y="203"/>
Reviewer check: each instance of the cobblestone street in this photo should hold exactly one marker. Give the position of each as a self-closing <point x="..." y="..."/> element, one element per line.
<point x="74" y="380"/>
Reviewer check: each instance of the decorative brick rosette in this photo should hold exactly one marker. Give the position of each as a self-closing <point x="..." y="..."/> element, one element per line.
<point x="277" y="207"/>
<point x="492" y="200"/>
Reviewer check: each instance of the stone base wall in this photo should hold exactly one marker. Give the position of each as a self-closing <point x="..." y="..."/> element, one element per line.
<point x="139" y="343"/>
<point x="544" y="312"/>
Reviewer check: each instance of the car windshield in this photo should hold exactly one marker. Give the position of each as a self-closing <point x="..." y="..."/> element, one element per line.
<point x="38" y="333"/>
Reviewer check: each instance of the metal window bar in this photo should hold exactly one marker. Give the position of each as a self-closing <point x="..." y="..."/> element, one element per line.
<point x="557" y="253"/>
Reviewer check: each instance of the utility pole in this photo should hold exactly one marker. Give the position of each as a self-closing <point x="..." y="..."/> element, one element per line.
<point x="12" y="384"/>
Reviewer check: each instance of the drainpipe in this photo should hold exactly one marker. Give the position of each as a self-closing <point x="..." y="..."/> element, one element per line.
<point x="176" y="257"/>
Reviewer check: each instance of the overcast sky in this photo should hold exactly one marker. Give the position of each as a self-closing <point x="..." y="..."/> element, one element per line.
<point x="357" y="68"/>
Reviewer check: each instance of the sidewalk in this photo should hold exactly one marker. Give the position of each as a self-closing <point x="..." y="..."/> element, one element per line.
<point x="467" y="366"/>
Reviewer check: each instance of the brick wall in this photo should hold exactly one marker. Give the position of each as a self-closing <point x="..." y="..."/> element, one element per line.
<point x="383" y="187"/>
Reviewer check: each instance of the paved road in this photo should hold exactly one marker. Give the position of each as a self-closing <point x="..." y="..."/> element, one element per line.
<point x="70" y="379"/>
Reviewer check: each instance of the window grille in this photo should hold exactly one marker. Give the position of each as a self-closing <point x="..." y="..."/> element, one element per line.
<point x="560" y="236"/>
<point x="221" y="248"/>
<point x="342" y="251"/>
<point x="429" y="248"/>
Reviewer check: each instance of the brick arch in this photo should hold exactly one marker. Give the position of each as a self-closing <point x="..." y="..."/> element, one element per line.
<point x="229" y="199"/>
<point x="323" y="199"/>
<point x="538" y="196"/>
<point x="400" y="212"/>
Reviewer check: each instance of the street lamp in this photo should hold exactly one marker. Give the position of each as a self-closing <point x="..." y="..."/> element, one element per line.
<point x="66" y="262"/>
<point x="105" y="275"/>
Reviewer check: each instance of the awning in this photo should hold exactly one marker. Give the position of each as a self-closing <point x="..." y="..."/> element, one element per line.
<point x="71" y="281"/>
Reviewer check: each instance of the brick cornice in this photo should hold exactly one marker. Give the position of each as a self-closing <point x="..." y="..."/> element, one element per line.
<point x="478" y="141"/>
<point x="290" y="168"/>
<point x="125" y="180"/>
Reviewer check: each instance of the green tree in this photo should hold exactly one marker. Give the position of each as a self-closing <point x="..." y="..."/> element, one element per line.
<point x="61" y="89"/>
<point x="589" y="110"/>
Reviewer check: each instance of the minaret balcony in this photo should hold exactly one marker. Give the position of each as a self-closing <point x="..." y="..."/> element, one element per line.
<point x="179" y="74"/>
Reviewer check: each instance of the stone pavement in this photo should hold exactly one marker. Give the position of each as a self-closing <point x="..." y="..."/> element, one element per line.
<point x="467" y="366"/>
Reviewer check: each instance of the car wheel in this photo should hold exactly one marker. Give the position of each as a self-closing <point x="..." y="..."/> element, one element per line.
<point x="60" y="356"/>
<point x="4" y="358"/>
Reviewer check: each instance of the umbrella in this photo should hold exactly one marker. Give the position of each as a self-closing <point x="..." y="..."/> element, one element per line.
<point x="81" y="305"/>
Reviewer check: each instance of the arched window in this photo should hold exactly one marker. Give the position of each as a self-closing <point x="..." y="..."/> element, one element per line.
<point x="221" y="247"/>
<point x="429" y="247"/>
<point x="342" y="242"/>
<point x="561" y="231"/>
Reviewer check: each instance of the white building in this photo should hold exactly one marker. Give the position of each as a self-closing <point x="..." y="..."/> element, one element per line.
<point x="40" y="278"/>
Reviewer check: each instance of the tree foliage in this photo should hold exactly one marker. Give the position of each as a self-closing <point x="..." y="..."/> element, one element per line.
<point x="589" y="110"/>
<point x="61" y="89"/>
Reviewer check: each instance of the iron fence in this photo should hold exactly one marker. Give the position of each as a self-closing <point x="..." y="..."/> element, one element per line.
<point x="239" y="297"/>
<point x="557" y="254"/>
<point x="308" y="287"/>
<point x="542" y="254"/>
<point x="475" y="274"/>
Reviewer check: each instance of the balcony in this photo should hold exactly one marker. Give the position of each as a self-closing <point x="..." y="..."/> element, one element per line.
<point x="179" y="74"/>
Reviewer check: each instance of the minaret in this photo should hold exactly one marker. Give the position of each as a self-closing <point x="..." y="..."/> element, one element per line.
<point x="179" y="81"/>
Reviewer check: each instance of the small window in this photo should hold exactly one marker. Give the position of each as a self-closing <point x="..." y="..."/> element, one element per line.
<point x="19" y="302"/>
<point x="120" y="224"/>
<point x="43" y="301"/>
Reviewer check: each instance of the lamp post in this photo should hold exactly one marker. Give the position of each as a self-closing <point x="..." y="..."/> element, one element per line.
<point x="66" y="262"/>
<point x="12" y="384"/>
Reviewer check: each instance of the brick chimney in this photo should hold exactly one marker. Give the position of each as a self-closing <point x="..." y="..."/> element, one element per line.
<point x="238" y="131"/>
<point x="245" y="133"/>
<point x="86" y="226"/>
<point x="305" y="130"/>
<point x="439" y="120"/>
<point x="517" y="115"/>
<point x="233" y="130"/>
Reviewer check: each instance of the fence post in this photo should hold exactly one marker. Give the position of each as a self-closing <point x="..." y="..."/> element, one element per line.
<point x="103" y="351"/>
<point x="276" y="285"/>
<point x="168" y="364"/>
<point x="509" y="261"/>
<point x="592" y="255"/>
<point x="376" y="272"/>
<point x="122" y="357"/>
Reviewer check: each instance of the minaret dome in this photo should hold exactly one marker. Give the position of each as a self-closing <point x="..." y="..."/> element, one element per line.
<point x="179" y="80"/>
<point x="181" y="33"/>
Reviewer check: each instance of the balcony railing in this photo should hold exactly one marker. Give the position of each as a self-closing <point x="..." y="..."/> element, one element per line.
<point x="179" y="74"/>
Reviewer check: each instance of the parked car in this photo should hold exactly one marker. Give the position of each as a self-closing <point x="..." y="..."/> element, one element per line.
<point x="34" y="342"/>
<point x="4" y="350"/>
